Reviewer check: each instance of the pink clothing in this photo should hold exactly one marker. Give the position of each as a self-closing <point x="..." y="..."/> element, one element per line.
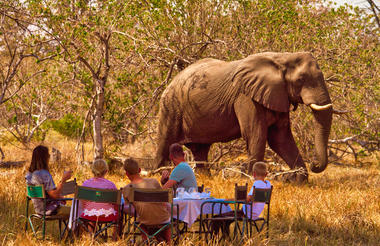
<point x="101" y="211"/>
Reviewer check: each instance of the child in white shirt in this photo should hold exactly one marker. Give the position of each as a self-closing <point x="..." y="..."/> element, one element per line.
<point x="259" y="173"/>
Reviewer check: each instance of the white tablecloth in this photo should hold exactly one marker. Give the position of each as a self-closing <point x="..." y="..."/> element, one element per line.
<point x="190" y="209"/>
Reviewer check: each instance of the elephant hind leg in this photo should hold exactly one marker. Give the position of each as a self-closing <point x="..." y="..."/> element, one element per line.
<point x="169" y="132"/>
<point x="200" y="153"/>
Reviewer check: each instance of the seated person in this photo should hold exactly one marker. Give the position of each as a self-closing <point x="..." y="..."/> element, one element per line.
<point x="94" y="210"/>
<point x="148" y="214"/>
<point x="182" y="175"/>
<point x="38" y="174"/>
<point x="259" y="174"/>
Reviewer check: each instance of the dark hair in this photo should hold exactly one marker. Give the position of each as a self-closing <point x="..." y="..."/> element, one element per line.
<point x="131" y="166"/>
<point x="40" y="158"/>
<point x="176" y="150"/>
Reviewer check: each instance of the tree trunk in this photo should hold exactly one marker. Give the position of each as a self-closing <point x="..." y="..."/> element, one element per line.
<point x="97" y="121"/>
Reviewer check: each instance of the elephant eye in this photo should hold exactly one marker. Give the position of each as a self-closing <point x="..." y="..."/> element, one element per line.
<point x="299" y="81"/>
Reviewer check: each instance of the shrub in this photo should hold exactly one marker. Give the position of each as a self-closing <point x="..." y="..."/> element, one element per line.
<point x="69" y="125"/>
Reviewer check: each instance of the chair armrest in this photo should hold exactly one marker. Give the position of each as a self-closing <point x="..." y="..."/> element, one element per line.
<point x="60" y="199"/>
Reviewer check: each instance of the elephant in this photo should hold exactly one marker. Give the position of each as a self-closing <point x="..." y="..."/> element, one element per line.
<point x="217" y="101"/>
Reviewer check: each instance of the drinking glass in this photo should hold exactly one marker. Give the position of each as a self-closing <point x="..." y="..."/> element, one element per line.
<point x="208" y="191"/>
<point x="180" y="191"/>
<point x="192" y="190"/>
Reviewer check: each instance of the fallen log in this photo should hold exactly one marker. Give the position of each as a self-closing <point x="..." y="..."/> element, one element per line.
<point x="9" y="164"/>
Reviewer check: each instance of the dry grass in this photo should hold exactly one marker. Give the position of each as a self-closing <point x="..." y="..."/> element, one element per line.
<point x="337" y="207"/>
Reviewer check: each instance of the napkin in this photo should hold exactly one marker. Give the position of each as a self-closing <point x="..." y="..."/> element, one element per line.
<point x="204" y="195"/>
<point x="194" y="195"/>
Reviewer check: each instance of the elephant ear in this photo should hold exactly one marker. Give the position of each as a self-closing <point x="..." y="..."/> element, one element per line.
<point x="262" y="79"/>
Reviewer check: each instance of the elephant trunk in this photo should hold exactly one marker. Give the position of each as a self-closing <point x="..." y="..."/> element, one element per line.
<point x="323" y="119"/>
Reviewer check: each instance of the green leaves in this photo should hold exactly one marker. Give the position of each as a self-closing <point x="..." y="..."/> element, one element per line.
<point x="69" y="125"/>
<point x="150" y="38"/>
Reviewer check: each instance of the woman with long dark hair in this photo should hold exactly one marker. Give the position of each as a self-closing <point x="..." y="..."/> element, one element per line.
<point x="39" y="174"/>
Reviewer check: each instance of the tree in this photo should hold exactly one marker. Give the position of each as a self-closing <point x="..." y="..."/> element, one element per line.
<point x="23" y="56"/>
<point x="116" y="58"/>
<point x="36" y="102"/>
<point x="17" y="43"/>
<point x="83" y="30"/>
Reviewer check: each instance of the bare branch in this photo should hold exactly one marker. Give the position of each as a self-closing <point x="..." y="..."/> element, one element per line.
<point x="85" y="62"/>
<point x="42" y="59"/>
<point x="336" y="111"/>
<point x="2" y="155"/>
<point x="129" y="36"/>
<point x="332" y="78"/>
<point x="374" y="9"/>
<point x="168" y="76"/>
<point x="236" y="171"/>
<point x="20" y="86"/>
<point x="344" y="140"/>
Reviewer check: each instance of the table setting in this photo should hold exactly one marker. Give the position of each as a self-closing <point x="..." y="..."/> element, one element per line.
<point x="190" y="202"/>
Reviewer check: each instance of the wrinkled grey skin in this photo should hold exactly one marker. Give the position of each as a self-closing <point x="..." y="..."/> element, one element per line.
<point x="217" y="101"/>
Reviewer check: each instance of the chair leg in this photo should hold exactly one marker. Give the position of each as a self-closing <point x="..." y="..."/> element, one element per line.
<point x="250" y="233"/>
<point x="43" y="229"/>
<point x="134" y="234"/>
<point x="243" y="229"/>
<point x="27" y="214"/>
<point x="65" y="223"/>
<point x="60" y="228"/>
<point x="31" y="225"/>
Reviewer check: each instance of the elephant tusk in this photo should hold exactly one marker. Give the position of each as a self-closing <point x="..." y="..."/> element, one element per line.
<point x="335" y="111"/>
<point x="319" y="108"/>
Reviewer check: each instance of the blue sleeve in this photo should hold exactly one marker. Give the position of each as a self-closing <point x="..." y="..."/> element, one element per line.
<point x="253" y="187"/>
<point x="178" y="174"/>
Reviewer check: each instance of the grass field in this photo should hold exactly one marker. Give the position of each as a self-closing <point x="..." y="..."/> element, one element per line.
<point x="340" y="206"/>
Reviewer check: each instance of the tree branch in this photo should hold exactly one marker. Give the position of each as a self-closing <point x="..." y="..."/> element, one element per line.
<point x="374" y="7"/>
<point x="84" y="61"/>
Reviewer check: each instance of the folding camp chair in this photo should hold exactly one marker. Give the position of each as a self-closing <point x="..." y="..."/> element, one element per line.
<point x="212" y="223"/>
<point x="260" y="195"/>
<point x="83" y="193"/>
<point x="68" y="187"/>
<point x="143" y="195"/>
<point x="38" y="192"/>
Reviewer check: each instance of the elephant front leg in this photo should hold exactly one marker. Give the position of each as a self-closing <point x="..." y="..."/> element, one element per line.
<point x="200" y="153"/>
<point x="253" y="127"/>
<point x="281" y="141"/>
